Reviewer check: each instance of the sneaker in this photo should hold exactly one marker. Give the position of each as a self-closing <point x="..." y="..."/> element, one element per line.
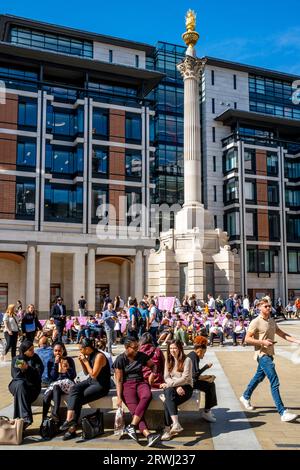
<point x="166" y="434"/>
<point x="131" y="432"/>
<point x="69" y="435"/>
<point x="287" y="416"/>
<point x="153" y="439"/>
<point x="246" y="403"/>
<point x="67" y="424"/>
<point x="176" y="429"/>
<point x="208" y="416"/>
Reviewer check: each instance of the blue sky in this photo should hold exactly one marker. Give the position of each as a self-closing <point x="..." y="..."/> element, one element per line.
<point x="265" y="33"/>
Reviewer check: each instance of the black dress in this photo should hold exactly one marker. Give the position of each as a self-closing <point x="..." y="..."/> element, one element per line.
<point x="25" y="385"/>
<point x="90" y="389"/>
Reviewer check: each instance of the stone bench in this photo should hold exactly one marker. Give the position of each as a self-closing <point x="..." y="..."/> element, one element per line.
<point x="154" y="414"/>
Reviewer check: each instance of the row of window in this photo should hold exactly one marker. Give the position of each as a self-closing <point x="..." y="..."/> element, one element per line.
<point x="231" y="192"/>
<point x="52" y="42"/>
<point x="232" y="225"/>
<point x="230" y="161"/>
<point x="65" y="204"/>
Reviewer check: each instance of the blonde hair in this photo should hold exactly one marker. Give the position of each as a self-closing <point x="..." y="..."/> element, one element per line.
<point x="11" y="310"/>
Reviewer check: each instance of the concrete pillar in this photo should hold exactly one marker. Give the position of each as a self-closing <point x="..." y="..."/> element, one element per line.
<point x="124" y="280"/>
<point x="190" y="70"/>
<point x="78" y="279"/>
<point x="132" y="280"/>
<point x="44" y="281"/>
<point x="23" y="282"/>
<point x="91" y="280"/>
<point x="139" y="276"/>
<point x="30" y="275"/>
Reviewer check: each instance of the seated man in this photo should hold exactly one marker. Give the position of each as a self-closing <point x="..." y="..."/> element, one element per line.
<point x="228" y="325"/>
<point x="216" y="331"/>
<point x="180" y="332"/>
<point x="239" y="331"/>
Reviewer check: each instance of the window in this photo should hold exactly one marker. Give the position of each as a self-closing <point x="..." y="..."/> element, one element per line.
<point x="249" y="190"/>
<point x="273" y="193"/>
<point x="232" y="224"/>
<point x="214" y="163"/>
<point x="294" y="261"/>
<point x="110" y="56"/>
<point x="231" y="191"/>
<point x="250" y="224"/>
<point x="234" y="82"/>
<point x="212" y="77"/>
<point x="213" y="134"/>
<point x="27" y="115"/>
<point x="230" y="160"/>
<point x="64" y="123"/>
<point x="100" y="161"/>
<point x="249" y="160"/>
<point x="26" y="154"/>
<point x="63" y="204"/>
<point x="260" y="261"/>
<point x="252" y="260"/>
<point x="63" y="161"/>
<point x="292" y="198"/>
<point x="100" y="123"/>
<point x="99" y="201"/>
<point x="235" y="105"/>
<point x="293" y="228"/>
<point x="272" y="164"/>
<point x="213" y="105"/>
<point x="133" y="164"/>
<point x="53" y="42"/>
<point x="25" y="200"/>
<point x="274" y="226"/>
<point x="134" y="199"/>
<point x="215" y="221"/>
<point x="133" y="128"/>
<point x="215" y="193"/>
<point x="137" y="61"/>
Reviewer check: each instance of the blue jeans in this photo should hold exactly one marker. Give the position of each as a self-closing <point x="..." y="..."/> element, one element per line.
<point x="266" y="368"/>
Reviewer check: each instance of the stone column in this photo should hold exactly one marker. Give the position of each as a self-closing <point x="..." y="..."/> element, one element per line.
<point x="44" y="281"/>
<point x="139" y="276"/>
<point x="190" y="70"/>
<point x="124" y="280"/>
<point x="78" y="278"/>
<point x="91" y="280"/>
<point x="30" y="275"/>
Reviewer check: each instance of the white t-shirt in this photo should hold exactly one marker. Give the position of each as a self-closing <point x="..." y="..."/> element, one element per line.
<point x="154" y="323"/>
<point x="211" y="303"/>
<point x="246" y="304"/>
<point x="12" y="323"/>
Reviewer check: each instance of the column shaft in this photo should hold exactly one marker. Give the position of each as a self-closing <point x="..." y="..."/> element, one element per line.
<point x="44" y="281"/>
<point x="30" y="275"/>
<point x="91" y="280"/>
<point x="139" y="276"/>
<point x="78" y="278"/>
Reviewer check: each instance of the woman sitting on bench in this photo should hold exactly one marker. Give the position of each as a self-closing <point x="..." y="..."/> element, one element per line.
<point x="96" y="366"/>
<point x="205" y="383"/>
<point x="178" y="387"/>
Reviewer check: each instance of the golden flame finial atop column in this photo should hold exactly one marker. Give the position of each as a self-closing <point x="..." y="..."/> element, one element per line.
<point x="190" y="37"/>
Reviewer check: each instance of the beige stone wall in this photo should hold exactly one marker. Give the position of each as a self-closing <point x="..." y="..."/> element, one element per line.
<point x="10" y="273"/>
<point x="108" y="273"/>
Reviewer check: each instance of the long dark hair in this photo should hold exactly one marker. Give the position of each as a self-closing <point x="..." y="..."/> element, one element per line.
<point x="181" y="356"/>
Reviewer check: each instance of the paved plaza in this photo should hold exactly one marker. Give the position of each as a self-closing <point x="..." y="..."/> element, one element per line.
<point x="235" y="428"/>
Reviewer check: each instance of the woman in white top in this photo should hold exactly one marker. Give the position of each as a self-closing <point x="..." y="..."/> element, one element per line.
<point x="11" y="330"/>
<point x="178" y="386"/>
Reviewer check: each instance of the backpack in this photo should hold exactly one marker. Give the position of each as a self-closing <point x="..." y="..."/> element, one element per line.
<point x="92" y="425"/>
<point x="48" y="429"/>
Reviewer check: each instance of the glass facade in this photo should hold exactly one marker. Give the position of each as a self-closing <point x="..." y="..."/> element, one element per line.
<point x="63" y="161"/>
<point x="64" y="122"/>
<point x="51" y="42"/>
<point x="133" y="165"/>
<point x="167" y="171"/>
<point x="100" y="162"/>
<point x="99" y="199"/>
<point x="26" y="154"/>
<point x="133" y="128"/>
<point x="25" y="199"/>
<point x="27" y="113"/>
<point x="271" y="96"/>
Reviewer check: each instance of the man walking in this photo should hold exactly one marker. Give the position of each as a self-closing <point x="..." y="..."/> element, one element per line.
<point x="58" y="312"/>
<point x="109" y="317"/>
<point x="81" y="306"/>
<point x="260" y="334"/>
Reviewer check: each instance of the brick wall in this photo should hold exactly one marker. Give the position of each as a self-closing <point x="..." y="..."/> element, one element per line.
<point x="7" y="197"/>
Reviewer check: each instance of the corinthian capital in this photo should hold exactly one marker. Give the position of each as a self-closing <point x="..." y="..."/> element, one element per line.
<point x="191" y="67"/>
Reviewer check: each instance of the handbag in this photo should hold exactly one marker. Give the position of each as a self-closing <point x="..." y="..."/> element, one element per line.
<point x="11" y="431"/>
<point x="48" y="429"/>
<point x="92" y="425"/>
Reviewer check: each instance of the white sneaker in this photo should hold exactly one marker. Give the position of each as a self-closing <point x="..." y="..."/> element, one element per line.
<point x="208" y="416"/>
<point x="246" y="403"/>
<point x="166" y="434"/>
<point x="287" y="416"/>
<point x="176" y="429"/>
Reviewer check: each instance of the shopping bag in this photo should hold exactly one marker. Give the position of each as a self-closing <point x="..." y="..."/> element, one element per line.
<point x="11" y="431"/>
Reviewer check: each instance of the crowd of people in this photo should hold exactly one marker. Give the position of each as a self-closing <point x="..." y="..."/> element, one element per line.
<point x="143" y="329"/>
